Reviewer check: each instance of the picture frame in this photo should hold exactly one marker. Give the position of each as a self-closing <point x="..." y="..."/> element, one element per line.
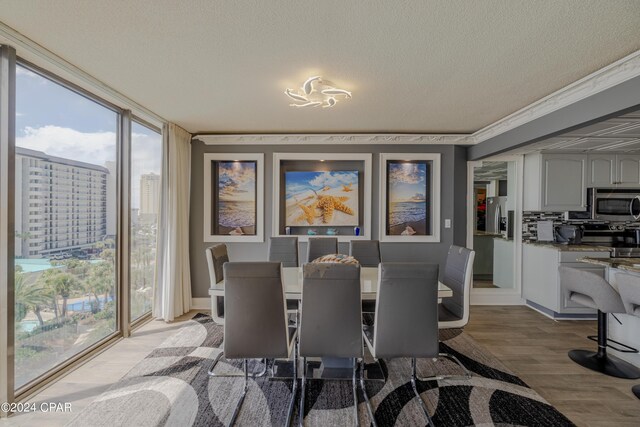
<point x="409" y="202"/>
<point x="233" y="197"/>
<point x="315" y="163"/>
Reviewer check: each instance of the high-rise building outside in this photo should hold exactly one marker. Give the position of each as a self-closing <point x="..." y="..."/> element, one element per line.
<point x="149" y="196"/>
<point x="61" y="204"/>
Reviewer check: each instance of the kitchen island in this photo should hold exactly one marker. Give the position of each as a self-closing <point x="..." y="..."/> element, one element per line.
<point x="629" y="331"/>
<point x="541" y="284"/>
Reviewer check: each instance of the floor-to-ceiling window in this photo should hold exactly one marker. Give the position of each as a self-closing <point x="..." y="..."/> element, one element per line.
<point x="65" y="224"/>
<point x="146" y="162"/>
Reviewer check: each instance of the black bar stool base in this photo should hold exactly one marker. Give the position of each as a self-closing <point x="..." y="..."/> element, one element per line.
<point x="608" y="365"/>
<point x="636" y="390"/>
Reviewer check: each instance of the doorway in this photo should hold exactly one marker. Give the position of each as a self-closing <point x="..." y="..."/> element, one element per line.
<point x="494" y="229"/>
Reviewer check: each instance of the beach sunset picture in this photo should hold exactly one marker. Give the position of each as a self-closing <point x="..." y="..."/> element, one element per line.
<point x="407" y="198"/>
<point x="236" y="198"/>
<point x="327" y="198"/>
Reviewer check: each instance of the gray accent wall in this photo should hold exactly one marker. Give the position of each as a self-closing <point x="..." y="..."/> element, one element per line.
<point x="453" y="204"/>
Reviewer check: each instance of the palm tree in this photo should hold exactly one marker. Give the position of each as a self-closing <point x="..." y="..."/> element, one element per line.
<point x="101" y="279"/>
<point x="28" y="296"/>
<point x="62" y="284"/>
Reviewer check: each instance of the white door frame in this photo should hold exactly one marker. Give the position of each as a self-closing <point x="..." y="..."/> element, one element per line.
<point x="499" y="296"/>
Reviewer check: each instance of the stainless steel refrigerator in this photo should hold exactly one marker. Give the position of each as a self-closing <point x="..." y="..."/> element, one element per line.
<point x="496" y="212"/>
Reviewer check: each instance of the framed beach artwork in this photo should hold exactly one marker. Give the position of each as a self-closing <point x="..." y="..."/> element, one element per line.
<point x="321" y="198"/>
<point x="410" y="197"/>
<point x="233" y="197"/>
<point x="322" y="194"/>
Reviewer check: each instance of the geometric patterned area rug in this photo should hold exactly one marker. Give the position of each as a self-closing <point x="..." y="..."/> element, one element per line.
<point x="171" y="387"/>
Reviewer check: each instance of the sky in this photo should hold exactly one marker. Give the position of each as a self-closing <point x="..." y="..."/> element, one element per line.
<point x="297" y="182"/>
<point x="60" y="122"/>
<point x="407" y="182"/>
<point x="237" y="181"/>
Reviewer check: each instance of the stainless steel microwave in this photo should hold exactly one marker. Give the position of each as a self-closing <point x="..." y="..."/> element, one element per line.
<point x="614" y="204"/>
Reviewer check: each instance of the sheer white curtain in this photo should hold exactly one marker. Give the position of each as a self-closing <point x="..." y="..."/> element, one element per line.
<point x="172" y="293"/>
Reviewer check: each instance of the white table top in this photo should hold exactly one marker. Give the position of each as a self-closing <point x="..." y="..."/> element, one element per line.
<point x="292" y="279"/>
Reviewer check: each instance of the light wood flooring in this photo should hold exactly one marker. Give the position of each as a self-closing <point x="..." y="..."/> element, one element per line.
<point x="535" y="348"/>
<point x="531" y="345"/>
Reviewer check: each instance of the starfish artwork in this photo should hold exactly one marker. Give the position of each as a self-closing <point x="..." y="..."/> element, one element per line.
<point x="321" y="198"/>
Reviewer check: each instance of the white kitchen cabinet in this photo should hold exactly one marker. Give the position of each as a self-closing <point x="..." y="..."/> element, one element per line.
<point x="627" y="170"/>
<point x="503" y="263"/>
<point x="602" y="170"/>
<point x="555" y="182"/>
<point x="614" y="170"/>
<point x="541" y="282"/>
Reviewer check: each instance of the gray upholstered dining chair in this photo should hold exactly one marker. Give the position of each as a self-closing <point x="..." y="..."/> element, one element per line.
<point x="367" y="252"/>
<point x="591" y="290"/>
<point x="256" y="324"/>
<point x="453" y="311"/>
<point x="406" y="319"/>
<point x="284" y="250"/>
<point x="629" y="287"/>
<point x="330" y="324"/>
<point x="217" y="256"/>
<point x="320" y="246"/>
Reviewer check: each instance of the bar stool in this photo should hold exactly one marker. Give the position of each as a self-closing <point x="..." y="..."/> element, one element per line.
<point x="593" y="291"/>
<point x="629" y="287"/>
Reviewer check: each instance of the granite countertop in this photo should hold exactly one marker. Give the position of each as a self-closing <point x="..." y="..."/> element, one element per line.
<point x="486" y="233"/>
<point x="627" y="264"/>
<point x="570" y="248"/>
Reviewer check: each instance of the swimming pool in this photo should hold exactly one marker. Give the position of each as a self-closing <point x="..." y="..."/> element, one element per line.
<point x="41" y="264"/>
<point x="34" y="265"/>
<point x="28" y="325"/>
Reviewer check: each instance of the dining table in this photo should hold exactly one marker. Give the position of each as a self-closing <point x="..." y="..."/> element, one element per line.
<point x="292" y="281"/>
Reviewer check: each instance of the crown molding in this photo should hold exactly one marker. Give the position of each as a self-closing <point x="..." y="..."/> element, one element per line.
<point x="320" y="139"/>
<point x="613" y="74"/>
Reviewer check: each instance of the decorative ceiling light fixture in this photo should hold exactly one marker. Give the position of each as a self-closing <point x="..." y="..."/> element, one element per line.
<point x="317" y="91"/>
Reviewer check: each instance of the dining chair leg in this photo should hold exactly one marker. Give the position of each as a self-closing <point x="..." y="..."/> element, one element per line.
<point x="295" y="383"/>
<point x="366" y="396"/>
<point x="221" y="355"/>
<point x="302" y="391"/>
<point x="415" y="391"/>
<point x="236" y="412"/>
<point x="466" y="376"/>
<point x="355" y="392"/>
<point x="215" y="362"/>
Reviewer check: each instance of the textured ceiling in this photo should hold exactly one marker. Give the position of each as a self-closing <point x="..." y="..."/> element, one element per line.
<point x="413" y="66"/>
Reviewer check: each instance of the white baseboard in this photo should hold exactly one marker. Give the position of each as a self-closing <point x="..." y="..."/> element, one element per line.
<point x="201" y="303"/>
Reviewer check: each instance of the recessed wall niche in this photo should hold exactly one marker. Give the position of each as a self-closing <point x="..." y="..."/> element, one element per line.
<point x="318" y="194"/>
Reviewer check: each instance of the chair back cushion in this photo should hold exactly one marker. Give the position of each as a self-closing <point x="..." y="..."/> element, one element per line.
<point x="319" y="246"/>
<point x="255" y="324"/>
<point x="284" y="250"/>
<point x="589" y="289"/>
<point x="457" y="276"/>
<point x="216" y="257"/>
<point x="406" y="319"/>
<point x="367" y="252"/>
<point x="331" y="321"/>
